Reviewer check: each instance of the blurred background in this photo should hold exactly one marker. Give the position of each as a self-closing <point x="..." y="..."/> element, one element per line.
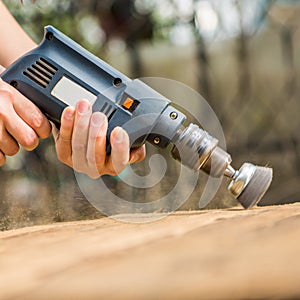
<point x="241" y="56"/>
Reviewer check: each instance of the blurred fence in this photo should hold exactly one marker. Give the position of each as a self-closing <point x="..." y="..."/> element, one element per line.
<point x="249" y="73"/>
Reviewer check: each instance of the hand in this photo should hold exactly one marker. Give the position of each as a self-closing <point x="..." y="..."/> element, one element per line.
<point x="81" y="143"/>
<point x="21" y="122"/>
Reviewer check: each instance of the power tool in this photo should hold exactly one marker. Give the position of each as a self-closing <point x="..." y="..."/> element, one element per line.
<point x="59" y="72"/>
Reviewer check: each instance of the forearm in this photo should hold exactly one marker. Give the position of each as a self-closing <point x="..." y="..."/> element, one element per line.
<point x="14" y="41"/>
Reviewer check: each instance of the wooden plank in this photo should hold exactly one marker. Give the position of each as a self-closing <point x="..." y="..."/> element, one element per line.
<point x="224" y="254"/>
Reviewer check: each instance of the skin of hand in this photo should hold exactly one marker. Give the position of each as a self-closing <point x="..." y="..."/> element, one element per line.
<point x="21" y="122"/>
<point x="14" y="41"/>
<point x="81" y="143"/>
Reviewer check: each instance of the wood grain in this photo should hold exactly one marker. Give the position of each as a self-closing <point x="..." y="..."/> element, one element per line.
<point x="213" y="254"/>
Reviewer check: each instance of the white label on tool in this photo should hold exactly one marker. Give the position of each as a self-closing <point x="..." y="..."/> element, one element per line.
<point x="70" y="92"/>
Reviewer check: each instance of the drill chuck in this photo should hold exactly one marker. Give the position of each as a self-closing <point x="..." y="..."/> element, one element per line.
<point x="197" y="149"/>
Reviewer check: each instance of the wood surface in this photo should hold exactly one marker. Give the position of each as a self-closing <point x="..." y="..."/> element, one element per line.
<point x="211" y="254"/>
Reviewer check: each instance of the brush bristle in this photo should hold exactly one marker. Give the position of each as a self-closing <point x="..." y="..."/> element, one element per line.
<point x="257" y="187"/>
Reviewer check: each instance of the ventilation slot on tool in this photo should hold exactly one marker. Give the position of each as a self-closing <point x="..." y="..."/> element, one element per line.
<point x="41" y="72"/>
<point x="108" y="110"/>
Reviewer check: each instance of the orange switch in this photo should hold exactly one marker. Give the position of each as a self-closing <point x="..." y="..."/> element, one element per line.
<point x="128" y="103"/>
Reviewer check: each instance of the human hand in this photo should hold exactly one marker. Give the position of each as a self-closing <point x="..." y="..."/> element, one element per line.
<point x="21" y="122"/>
<point x="81" y="143"/>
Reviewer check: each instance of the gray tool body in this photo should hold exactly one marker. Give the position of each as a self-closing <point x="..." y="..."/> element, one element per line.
<point x="59" y="72"/>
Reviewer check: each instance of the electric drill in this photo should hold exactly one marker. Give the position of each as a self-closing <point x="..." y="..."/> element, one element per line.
<point x="59" y="72"/>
